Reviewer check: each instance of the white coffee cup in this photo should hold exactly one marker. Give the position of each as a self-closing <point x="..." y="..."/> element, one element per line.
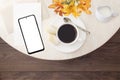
<point x="76" y="33"/>
<point x="105" y="13"/>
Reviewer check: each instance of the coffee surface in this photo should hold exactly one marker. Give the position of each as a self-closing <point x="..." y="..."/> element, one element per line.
<point x="67" y="33"/>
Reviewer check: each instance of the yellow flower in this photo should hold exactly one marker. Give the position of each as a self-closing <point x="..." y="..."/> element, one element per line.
<point x="70" y="9"/>
<point x="84" y="6"/>
<point x="74" y="7"/>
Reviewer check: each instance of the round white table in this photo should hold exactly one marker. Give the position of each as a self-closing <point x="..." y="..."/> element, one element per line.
<point x="100" y="32"/>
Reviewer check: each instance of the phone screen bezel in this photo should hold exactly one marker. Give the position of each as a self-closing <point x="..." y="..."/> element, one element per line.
<point x="24" y="36"/>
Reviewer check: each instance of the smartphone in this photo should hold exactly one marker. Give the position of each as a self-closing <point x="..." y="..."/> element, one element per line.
<point x="31" y="34"/>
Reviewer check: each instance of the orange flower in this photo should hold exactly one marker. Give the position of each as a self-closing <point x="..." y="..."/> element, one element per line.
<point x="58" y="7"/>
<point x="74" y="7"/>
<point x="84" y="6"/>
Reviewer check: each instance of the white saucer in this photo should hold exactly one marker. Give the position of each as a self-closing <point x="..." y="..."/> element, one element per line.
<point x="69" y="48"/>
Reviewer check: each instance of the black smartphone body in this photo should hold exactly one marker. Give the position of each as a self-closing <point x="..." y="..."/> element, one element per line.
<point x="31" y="34"/>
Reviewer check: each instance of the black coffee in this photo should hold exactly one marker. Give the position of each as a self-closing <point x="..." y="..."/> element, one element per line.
<point x="67" y="33"/>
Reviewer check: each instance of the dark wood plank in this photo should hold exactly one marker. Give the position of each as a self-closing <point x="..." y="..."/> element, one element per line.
<point x="60" y="76"/>
<point x="1" y="41"/>
<point x="106" y="58"/>
<point x="116" y="37"/>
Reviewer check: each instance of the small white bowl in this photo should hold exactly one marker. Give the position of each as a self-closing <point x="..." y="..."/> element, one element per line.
<point x="105" y="13"/>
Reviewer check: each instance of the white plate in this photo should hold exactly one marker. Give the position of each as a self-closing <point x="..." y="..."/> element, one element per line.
<point x="66" y="48"/>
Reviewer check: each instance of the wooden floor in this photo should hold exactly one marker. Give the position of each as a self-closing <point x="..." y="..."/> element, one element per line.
<point x="102" y="64"/>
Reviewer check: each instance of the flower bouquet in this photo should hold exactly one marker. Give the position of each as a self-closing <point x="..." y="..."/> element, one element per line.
<point x="74" y="7"/>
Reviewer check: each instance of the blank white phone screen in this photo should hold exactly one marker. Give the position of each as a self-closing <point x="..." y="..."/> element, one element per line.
<point x="31" y="34"/>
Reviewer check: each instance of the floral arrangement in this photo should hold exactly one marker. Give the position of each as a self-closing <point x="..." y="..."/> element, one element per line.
<point x="74" y="7"/>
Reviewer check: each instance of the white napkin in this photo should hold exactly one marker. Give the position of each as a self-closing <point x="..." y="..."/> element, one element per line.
<point x="22" y="10"/>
